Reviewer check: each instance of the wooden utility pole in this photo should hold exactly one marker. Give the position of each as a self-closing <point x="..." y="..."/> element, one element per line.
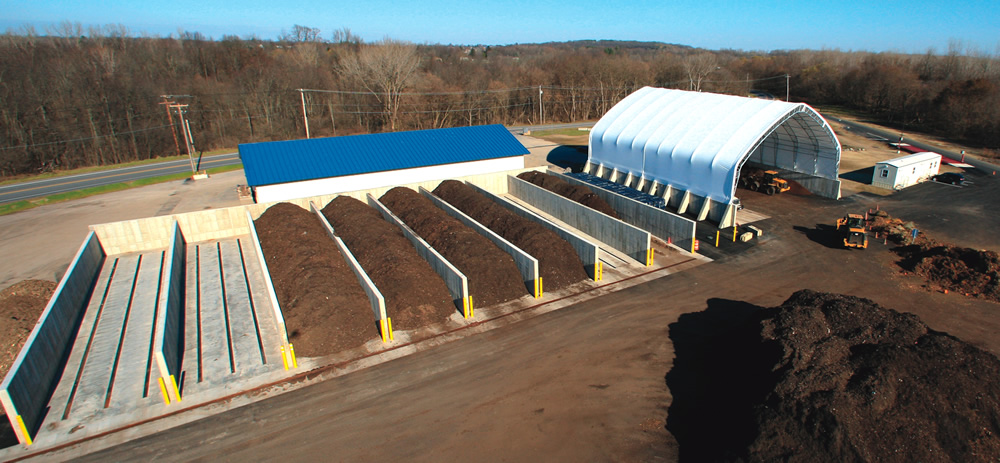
<point x="541" y="111"/>
<point x="187" y="134"/>
<point x="305" y="116"/>
<point x="167" y="105"/>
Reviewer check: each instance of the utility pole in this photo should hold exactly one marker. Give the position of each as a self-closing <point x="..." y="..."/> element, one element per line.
<point x="305" y="117"/>
<point x="166" y="102"/>
<point x="541" y="112"/>
<point x="787" y="85"/>
<point x="186" y="130"/>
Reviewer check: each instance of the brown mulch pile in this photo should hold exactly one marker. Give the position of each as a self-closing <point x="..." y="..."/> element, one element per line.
<point x="962" y="270"/>
<point x="324" y="307"/>
<point x="580" y="194"/>
<point x="558" y="263"/>
<point x="492" y="274"/>
<point x="415" y="296"/>
<point x="20" y="307"/>
<point x="827" y="377"/>
<point x="966" y="271"/>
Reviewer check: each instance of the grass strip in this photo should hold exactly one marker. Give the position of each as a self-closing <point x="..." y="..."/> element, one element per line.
<point x="18" y="206"/>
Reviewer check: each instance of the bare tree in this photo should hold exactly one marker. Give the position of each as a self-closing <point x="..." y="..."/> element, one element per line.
<point x="385" y="69"/>
<point x="698" y="67"/>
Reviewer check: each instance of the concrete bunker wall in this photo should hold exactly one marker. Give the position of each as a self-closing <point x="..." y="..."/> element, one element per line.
<point x="662" y="224"/>
<point x="616" y="233"/>
<point x="588" y="252"/>
<point x="26" y="389"/>
<point x="455" y="280"/>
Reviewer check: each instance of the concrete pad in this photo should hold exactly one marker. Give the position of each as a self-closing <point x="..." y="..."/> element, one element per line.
<point x="132" y="374"/>
<point x="92" y="390"/>
<point x="246" y="345"/>
<point x="215" y="346"/>
<point x="266" y="323"/>
<point x="191" y="361"/>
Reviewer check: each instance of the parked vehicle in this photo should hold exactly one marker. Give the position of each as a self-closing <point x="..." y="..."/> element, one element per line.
<point x="952" y="178"/>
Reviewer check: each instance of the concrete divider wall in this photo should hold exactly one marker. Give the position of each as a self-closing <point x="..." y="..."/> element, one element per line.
<point x="526" y="264"/>
<point x="589" y="252"/>
<point x="279" y="319"/>
<point x="454" y="279"/>
<point x="660" y="223"/>
<point x="168" y="339"/>
<point x="374" y="295"/>
<point x="624" y="237"/>
<point x="29" y="384"/>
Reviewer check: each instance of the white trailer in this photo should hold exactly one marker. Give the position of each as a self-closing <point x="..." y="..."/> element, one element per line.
<point x="899" y="173"/>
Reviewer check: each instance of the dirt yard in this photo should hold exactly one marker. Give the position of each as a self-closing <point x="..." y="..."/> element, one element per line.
<point x="325" y="309"/>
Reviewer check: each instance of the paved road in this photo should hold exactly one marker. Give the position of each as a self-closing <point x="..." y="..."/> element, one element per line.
<point x="893" y="137"/>
<point x="38" y="188"/>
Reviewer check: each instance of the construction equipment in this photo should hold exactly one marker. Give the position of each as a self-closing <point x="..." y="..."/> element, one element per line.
<point x="853" y="230"/>
<point x="766" y="181"/>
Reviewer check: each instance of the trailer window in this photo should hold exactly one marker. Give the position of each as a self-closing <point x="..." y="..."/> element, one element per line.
<point x="885" y="173"/>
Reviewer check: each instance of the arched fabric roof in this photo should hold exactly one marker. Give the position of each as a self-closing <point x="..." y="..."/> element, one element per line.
<point x="698" y="142"/>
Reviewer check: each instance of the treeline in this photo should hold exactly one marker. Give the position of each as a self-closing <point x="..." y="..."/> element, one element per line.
<point x="70" y="99"/>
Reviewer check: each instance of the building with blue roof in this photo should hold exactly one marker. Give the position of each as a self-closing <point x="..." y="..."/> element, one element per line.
<point x="283" y="170"/>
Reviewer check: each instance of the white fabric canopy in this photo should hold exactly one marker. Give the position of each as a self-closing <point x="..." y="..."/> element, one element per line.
<point x="698" y="142"/>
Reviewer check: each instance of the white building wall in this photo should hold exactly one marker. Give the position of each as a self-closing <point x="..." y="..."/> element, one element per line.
<point x="906" y="171"/>
<point x="333" y="185"/>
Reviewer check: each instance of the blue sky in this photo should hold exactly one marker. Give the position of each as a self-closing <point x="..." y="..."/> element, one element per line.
<point x="874" y="25"/>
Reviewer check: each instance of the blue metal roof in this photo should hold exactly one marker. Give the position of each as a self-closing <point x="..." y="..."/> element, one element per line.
<point x="268" y="163"/>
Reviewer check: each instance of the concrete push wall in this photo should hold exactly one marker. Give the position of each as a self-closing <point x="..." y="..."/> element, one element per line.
<point x="588" y="252"/>
<point x="624" y="237"/>
<point x="526" y="264"/>
<point x="279" y="319"/>
<point x="454" y="279"/>
<point x="374" y="295"/>
<point x="660" y="223"/>
<point x="29" y="384"/>
<point x="168" y="340"/>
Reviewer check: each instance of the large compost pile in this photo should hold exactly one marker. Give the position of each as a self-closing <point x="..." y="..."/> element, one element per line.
<point x="827" y="377"/>
<point x="324" y="307"/>
<point x="415" y="296"/>
<point x="493" y="276"/>
<point x="558" y="263"/>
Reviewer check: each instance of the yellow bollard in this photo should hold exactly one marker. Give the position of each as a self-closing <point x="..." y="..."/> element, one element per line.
<point x="595" y="272"/>
<point x="163" y="389"/>
<point x="177" y="390"/>
<point x="465" y="308"/>
<point x="283" y="358"/>
<point x="734" y="233"/>
<point x="388" y="321"/>
<point x="541" y="287"/>
<point x="717" y="238"/>
<point x="291" y="350"/>
<point x="472" y="308"/>
<point x="602" y="270"/>
<point x="24" y="430"/>
<point x="381" y="324"/>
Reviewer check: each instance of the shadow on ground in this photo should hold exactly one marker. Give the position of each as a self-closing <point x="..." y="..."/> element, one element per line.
<point x="863" y="176"/>
<point x="718" y="373"/>
<point x="824" y="234"/>
<point x="569" y="157"/>
<point x="7" y="436"/>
